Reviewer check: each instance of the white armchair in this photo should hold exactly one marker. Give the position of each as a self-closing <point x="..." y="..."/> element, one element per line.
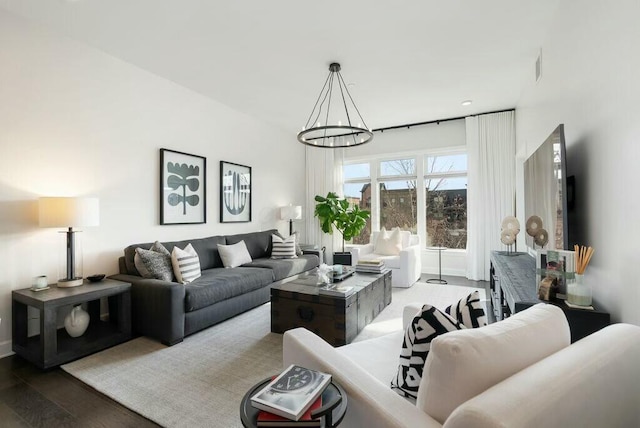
<point x="406" y="267"/>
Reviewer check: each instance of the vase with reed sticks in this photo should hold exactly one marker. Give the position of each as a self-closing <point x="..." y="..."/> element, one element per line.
<point x="579" y="291"/>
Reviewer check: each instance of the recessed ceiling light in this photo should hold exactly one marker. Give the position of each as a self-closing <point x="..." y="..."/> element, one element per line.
<point x="467" y="102"/>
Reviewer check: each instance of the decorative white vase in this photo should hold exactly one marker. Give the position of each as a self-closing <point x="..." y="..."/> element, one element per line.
<point x="76" y="322"/>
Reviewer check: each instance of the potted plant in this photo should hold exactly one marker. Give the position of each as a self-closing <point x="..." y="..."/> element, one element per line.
<point x="349" y="220"/>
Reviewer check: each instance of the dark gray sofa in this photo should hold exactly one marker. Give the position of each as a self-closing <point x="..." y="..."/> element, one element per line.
<point x="169" y="311"/>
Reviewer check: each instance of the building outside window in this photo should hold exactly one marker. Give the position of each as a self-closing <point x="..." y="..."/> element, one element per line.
<point x="443" y="205"/>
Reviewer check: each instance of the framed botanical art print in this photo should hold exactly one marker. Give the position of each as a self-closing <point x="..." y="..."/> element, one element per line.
<point x="183" y="188"/>
<point x="235" y="193"/>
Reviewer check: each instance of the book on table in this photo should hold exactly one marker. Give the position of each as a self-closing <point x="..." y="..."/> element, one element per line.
<point x="337" y="290"/>
<point x="292" y="392"/>
<point x="267" y="419"/>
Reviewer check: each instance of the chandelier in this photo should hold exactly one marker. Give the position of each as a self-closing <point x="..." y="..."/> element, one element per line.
<point x="342" y="126"/>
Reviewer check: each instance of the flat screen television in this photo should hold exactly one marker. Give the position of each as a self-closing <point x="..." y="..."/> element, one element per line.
<point x="545" y="190"/>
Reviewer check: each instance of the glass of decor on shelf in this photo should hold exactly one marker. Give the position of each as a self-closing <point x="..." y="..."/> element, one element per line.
<point x="579" y="292"/>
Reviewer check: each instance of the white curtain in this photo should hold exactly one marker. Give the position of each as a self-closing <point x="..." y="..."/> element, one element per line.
<point x="491" y="146"/>
<point x="324" y="175"/>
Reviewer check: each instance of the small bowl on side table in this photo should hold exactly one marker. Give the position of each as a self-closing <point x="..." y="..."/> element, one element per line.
<point x="96" y="278"/>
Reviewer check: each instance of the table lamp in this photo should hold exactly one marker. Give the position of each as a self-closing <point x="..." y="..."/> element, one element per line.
<point x="69" y="213"/>
<point x="290" y="213"/>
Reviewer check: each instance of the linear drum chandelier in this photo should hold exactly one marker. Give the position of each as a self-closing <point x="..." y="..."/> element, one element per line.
<point x="342" y="126"/>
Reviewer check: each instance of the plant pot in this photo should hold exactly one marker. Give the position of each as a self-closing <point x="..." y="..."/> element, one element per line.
<point x="342" y="258"/>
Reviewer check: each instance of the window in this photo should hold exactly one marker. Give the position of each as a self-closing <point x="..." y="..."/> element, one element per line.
<point x="446" y="199"/>
<point x="439" y="215"/>
<point x="357" y="190"/>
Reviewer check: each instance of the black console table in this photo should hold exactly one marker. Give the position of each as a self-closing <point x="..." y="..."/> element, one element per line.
<point x="513" y="289"/>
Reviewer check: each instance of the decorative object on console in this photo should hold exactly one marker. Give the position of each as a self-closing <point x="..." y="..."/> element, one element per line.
<point x="338" y="131"/>
<point x="76" y="322"/>
<point x="428" y="324"/>
<point x="70" y="213"/>
<point x="96" y="277"/>
<point x="349" y="220"/>
<point x="325" y="272"/>
<point x="509" y="232"/>
<point x="579" y="292"/>
<point x="290" y="213"/>
<point x="558" y="265"/>
<point x="183" y="188"/>
<point x="534" y="223"/>
<point x="235" y="193"/>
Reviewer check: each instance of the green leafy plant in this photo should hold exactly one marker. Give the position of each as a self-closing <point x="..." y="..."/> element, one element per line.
<point x="335" y="212"/>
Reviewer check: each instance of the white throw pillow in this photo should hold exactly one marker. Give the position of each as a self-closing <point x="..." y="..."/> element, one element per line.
<point x="283" y="248"/>
<point x="186" y="264"/>
<point x="234" y="255"/>
<point x="462" y="364"/>
<point x="388" y="243"/>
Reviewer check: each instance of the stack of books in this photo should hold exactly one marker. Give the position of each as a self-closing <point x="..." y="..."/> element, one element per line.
<point x="370" y="266"/>
<point x="289" y="398"/>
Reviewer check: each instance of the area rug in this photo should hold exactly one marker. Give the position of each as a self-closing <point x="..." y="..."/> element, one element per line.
<point x="201" y="381"/>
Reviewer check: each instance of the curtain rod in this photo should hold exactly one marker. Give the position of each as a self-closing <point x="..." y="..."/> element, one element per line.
<point x="429" y="122"/>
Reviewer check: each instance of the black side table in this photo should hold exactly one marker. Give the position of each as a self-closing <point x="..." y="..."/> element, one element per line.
<point x="333" y="411"/>
<point x="439" y="279"/>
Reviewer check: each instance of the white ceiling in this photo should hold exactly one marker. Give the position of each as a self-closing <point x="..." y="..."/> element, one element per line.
<point x="410" y="61"/>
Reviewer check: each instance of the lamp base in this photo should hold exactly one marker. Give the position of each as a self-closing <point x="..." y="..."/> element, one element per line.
<point x="73" y="282"/>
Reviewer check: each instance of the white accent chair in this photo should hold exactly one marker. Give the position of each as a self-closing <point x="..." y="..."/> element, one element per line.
<point x="520" y="372"/>
<point x="406" y="267"/>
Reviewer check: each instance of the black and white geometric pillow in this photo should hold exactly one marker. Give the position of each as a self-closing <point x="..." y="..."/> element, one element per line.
<point x="428" y="324"/>
<point x="469" y="311"/>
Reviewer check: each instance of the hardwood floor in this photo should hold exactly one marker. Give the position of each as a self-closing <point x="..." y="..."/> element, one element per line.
<point x="30" y="397"/>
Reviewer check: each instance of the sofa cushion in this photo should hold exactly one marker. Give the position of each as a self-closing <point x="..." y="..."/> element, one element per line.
<point x="388" y="243"/>
<point x="137" y="260"/>
<point x="218" y="284"/>
<point x="234" y="255"/>
<point x="207" y="249"/>
<point x="284" y="268"/>
<point x="186" y="265"/>
<point x="157" y="264"/>
<point x="463" y="364"/>
<point x="258" y="243"/>
<point x="283" y="248"/>
<point x="428" y="324"/>
<point x="469" y="311"/>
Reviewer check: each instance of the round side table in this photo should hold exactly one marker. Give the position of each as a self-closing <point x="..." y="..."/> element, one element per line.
<point x="439" y="279"/>
<point x="334" y="405"/>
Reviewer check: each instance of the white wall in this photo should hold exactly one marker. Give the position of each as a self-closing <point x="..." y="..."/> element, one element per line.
<point x="590" y="83"/>
<point x="75" y="121"/>
<point x="420" y="139"/>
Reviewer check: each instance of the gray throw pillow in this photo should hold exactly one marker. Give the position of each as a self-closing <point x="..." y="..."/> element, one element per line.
<point x="139" y="264"/>
<point x="157" y="262"/>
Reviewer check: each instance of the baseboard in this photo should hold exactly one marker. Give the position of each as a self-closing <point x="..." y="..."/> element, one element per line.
<point x="6" y="349"/>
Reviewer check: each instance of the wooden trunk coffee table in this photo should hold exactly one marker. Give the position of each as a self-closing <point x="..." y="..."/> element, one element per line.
<point x="338" y="320"/>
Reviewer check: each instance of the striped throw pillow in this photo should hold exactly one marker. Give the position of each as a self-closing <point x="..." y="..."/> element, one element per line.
<point x="428" y="324"/>
<point x="186" y="264"/>
<point x="283" y="248"/>
<point x="469" y="311"/>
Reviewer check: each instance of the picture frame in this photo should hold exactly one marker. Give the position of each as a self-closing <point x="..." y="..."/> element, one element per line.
<point x="559" y="264"/>
<point x="183" y="188"/>
<point x="235" y="193"/>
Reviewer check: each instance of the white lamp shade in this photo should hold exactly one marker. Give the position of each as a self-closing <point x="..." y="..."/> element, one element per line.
<point x="69" y="212"/>
<point x="291" y="212"/>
